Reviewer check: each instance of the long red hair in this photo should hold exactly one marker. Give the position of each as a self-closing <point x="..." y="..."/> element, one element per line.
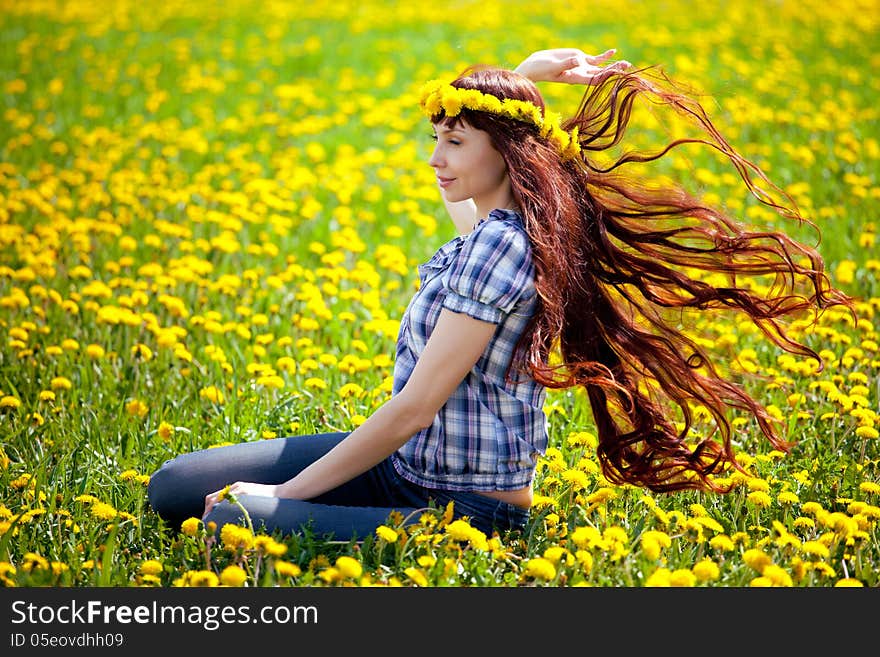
<point x="614" y="255"/>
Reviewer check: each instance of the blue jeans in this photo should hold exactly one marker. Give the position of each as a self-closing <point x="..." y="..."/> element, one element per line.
<point x="352" y="510"/>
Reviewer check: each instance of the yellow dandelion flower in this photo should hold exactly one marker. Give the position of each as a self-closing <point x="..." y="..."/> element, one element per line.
<point x="128" y="475"/>
<point x="286" y="364"/>
<point x="815" y="548"/>
<point x="461" y="530"/>
<point x="582" y="439"/>
<point x="198" y="578"/>
<point x="759" y="498"/>
<point x="103" y="511"/>
<point x="777" y="575"/>
<point x="756" y="559"/>
<point x="191" y="526"/>
<point x="586" y="537"/>
<point x="351" y="390"/>
<point x="426" y="560"/>
<point x="60" y="383"/>
<point x="33" y="561"/>
<point x="8" y="401"/>
<point x="870" y="487"/>
<point x="287" y="569"/>
<point x="706" y="570"/>
<point x="212" y="394"/>
<point x="136" y="408"/>
<point x="349" y="567"/>
<point x="234" y="537"/>
<point x="233" y="576"/>
<point x="556" y="554"/>
<point x="151" y="567"/>
<point x="6" y="571"/>
<point x="804" y="523"/>
<point x="316" y="383"/>
<point x="416" y="575"/>
<point x="602" y="495"/>
<point x="813" y="508"/>
<point x="142" y="352"/>
<point x="577" y="478"/>
<point x="386" y="533"/>
<point x="269" y="546"/>
<point x="682" y="577"/>
<point x="165" y="430"/>
<point x="660" y="578"/>
<point x="539" y="568"/>
<point x="848" y="582"/>
<point x="540" y="501"/>
<point x="758" y="484"/>
<point x="653" y="542"/>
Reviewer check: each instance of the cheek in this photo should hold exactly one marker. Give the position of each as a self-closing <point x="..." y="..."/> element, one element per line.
<point x="495" y="167"/>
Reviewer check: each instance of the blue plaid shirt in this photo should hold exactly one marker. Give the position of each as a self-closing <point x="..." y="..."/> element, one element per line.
<point x="490" y="432"/>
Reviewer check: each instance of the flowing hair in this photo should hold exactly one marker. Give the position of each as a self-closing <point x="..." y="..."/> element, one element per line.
<point x="619" y="259"/>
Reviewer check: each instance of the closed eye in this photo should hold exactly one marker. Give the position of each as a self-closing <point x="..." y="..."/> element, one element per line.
<point x="449" y="140"/>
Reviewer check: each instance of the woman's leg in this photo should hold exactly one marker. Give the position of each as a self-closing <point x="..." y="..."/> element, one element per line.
<point x="177" y="490"/>
<point x="352" y="510"/>
<point x="324" y="521"/>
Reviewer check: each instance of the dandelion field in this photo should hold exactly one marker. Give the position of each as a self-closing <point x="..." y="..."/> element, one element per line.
<point x="210" y="221"/>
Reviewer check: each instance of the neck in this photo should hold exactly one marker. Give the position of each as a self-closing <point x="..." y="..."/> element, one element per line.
<point x="484" y="207"/>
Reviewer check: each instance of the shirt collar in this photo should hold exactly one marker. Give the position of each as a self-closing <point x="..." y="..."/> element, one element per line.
<point x="501" y="213"/>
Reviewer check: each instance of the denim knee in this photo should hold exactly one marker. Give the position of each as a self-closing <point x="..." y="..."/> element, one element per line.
<point x="170" y="496"/>
<point x="158" y="486"/>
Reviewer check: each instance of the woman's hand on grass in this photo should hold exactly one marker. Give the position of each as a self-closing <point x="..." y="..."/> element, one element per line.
<point x="239" y="488"/>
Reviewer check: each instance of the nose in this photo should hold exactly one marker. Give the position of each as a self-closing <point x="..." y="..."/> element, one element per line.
<point x="436" y="159"/>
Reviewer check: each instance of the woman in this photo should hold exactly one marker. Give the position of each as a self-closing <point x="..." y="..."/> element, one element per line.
<point x="559" y="277"/>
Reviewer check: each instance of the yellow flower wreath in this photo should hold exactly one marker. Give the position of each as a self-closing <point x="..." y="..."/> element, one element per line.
<point x="437" y="96"/>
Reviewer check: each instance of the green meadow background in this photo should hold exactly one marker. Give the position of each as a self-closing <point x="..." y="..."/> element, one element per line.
<point x="210" y="220"/>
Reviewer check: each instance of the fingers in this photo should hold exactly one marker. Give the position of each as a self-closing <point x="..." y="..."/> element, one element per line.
<point x="598" y="59"/>
<point x="211" y="499"/>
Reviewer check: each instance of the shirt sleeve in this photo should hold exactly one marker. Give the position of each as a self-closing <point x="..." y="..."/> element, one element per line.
<point x="491" y="273"/>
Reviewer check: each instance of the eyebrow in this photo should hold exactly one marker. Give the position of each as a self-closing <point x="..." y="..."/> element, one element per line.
<point x="446" y="129"/>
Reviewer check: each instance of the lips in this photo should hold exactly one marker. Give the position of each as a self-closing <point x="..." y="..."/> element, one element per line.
<point x="444" y="182"/>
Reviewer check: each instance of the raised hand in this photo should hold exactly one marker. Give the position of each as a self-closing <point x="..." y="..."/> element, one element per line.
<point x="570" y="65"/>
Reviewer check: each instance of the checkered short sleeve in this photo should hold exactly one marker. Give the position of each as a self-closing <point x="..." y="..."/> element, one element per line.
<point x="492" y="272"/>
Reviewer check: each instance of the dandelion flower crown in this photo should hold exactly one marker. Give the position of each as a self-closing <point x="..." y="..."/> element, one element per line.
<point x="437" y="96"/>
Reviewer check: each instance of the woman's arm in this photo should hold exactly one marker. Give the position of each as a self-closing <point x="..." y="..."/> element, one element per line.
<point x="455" y="345"/>
<point x="569" y="65"/>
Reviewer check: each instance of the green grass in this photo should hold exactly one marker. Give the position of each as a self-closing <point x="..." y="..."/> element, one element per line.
<point x="243" y="187"/>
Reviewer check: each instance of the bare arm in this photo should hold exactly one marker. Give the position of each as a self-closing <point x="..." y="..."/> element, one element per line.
<point x="455" y="345"/>
<point x="569" y="65"/>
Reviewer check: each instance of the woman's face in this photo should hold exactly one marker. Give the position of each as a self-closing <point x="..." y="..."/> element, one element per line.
<point x="469" y="167"/>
